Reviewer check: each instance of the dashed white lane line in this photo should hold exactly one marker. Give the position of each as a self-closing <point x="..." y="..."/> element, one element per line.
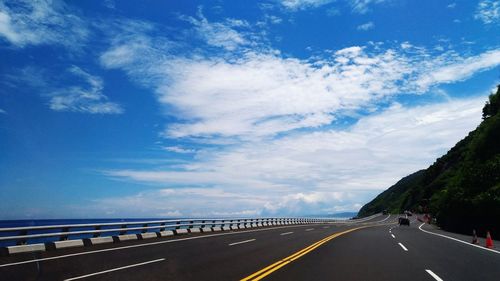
<point x="286" y="233"/>
<point x="457" y="240"/>
<point x="402" y="246"/>
<point x="114" y="269"/>
<point x="326" y="227"/>
<point x="241" y="242"/>
<point x="393" y="236"/>
<point x="309" y="229"/>
<point x="434" y="275"/>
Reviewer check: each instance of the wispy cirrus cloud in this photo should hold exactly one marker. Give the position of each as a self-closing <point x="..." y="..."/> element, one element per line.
<point x="357" y="6"/>
<point x="84" y="94"/>
<point x="304" y="4"/>
<point x="219" y="34"/>
<point x="363" y="6"/>
<point x="25" y="23"/>
<point x="178" y="149"/>
<point x="89" y="99"/>
<point x="488" y="11"/>
<point x="366" y="26"/>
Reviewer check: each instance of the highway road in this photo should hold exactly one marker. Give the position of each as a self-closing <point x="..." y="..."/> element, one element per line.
<point x="377" y="250"/>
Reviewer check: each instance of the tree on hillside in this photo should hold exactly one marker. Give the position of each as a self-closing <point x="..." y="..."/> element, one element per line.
<point x="492" y="105"/>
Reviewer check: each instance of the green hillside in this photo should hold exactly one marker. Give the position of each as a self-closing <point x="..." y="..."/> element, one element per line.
<point x="462" y="188"/>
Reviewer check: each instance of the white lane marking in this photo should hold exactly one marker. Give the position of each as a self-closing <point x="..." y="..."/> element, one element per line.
<point x="241" y="242"/>
<point x="402" y="246"/>
<point x="458" y="240"/>
<point x="114" y="269"/>
<point x="286" y="233"/>
<point x="434" y="275"/>
<point x="326" y="227"/>
<point x="393" y="236"/>
<point x="309" y="229"/>
<point x="144" y="245"/>
<point x="383" y="219"/>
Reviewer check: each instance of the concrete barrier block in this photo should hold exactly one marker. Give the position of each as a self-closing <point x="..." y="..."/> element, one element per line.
<point x="217" y="228"/>
<point x="194" y="230"/>
<point x="25" y="248"/>
<point x="148" y="235"/>
<point x="124" y="237"/>
<point x="166" y="233"/>
<point x="235" y="227"/>
<point x="97" y="240"/>
<point x="65" y="244"/>
<point x="226" y="228"/>
<point x="181" y="231"/>
<point x="206" y="229"/>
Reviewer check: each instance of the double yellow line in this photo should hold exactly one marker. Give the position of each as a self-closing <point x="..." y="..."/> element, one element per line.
<point x="277" y="265"/>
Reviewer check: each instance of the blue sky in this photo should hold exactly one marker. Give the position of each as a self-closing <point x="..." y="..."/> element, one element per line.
<point x="232" y="108"/>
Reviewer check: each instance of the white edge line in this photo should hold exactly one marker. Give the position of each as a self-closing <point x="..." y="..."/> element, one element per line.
<point x="241" y="242"/>
<point x="403" y="246"/>
<point x="458" y="240"/>
<point x="114" y="269"/>
<point x="434" y="275"/>
<point x="286" y="233"/>
<point x="393" y="236"/>
<point x="309" y="229"/>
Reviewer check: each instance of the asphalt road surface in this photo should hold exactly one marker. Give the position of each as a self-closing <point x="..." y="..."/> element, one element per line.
<point x="377" y="250"/>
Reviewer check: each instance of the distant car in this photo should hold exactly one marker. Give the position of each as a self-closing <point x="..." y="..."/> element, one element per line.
<point x="408" y="213"/>
<point x="385" y="212"/>
<point x="404" y="221"/>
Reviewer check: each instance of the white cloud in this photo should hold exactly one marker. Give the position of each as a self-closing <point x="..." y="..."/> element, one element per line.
<point x="313" y="172"/>
<point x="357" y="6"/>
<point x="451" y="5"/>
<point x="219" y="34"/>
<point x="3" y="111"/>
<point x="459" y="69"/>
<point x="303" y="4"/>
<point x="40" y="22"/>
<point x="178" y="149"/>
<point x="83" y="99"/>
<point x="488" y="11"/>
<point x="366" y="26"/>
<point x="363" y="6"/>
<point x="83" y="93"/>
<point x="333" y="12"/>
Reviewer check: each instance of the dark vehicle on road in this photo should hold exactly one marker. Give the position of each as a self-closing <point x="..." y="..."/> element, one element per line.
<point x="404" y="221"/>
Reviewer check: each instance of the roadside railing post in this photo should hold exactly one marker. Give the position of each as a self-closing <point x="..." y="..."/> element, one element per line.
<point x="22" y="241"/>
<point x="124" y="229"/>
<point x="64" y="237"/>
<point x="97" y="234"/>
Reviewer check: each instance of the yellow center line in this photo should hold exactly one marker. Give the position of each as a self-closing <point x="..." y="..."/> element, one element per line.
<point x="279" y="264"/>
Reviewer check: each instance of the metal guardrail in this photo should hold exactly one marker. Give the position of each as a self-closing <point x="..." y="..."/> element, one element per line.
<point x="22" y="235"/>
